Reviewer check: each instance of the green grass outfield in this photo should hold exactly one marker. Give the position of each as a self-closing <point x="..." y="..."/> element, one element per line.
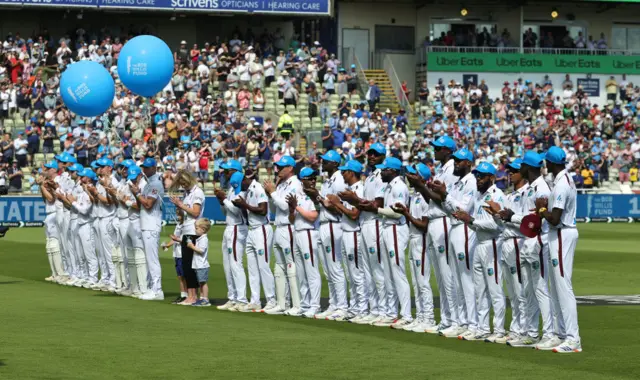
<point x="48" y="331"/>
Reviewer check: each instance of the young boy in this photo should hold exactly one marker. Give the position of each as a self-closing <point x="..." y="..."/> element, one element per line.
<point x="201" y="260"/>
<point x="175" y="242"/>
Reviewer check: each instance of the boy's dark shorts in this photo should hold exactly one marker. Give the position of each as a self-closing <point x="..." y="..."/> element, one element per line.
<point x="202" y="275"/>
<point x="179" y="270"/>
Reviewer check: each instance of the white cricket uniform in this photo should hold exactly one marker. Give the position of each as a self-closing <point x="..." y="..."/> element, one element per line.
<point x="512" y="244"/>
<point x="486" y="274"/>
<point x="68" y="241"/>
<point x="462" y="243"/>
<point x="371" y="232"/>
<point x="438" y="249"/>
<point x="64" y="254"/>
<point x="283" y="244"/>
<point x="330" y="245"/>
<point x="419" y="261"/>
<point x="353" y="256"/>
<point x="52" y="247"/>
<point x="121" y="225"/>
<point x="534" y="263"/>
<point x="81" y="262"/>
<point x="107" y="232"/>
<point x="136" y="258"/>
<point x="151" y="224"/>
<point x="306" y="254"/>
<point x="563" y="239"/>
<point x="395" y="234"/>
<point x="233" y="241"/>
<point x="85" y="242"/>
<point x="258" y="248"/>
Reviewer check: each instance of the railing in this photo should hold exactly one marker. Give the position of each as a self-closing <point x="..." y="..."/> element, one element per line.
<point x="362" y="78"/>
<point x="396" y="84"/>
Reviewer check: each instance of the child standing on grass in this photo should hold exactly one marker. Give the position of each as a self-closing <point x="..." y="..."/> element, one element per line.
<point x="175" y="242"/>
<point x="200" y="261"/>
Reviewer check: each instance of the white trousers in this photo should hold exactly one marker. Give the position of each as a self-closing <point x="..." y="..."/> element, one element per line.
<point x="512" y="276"/>
<point x="352" y="258"/>
<point x="69" y="246"/>
<point x="562" y="248"/>
<point x="122" y="228"/>
<point x="107" y="242"/>
<point x="420" y="274"/>
<point x="396" y="239"/>
<point x="233" y="242"/>
<point x="86" y="245"/>
<point x="62" y="239"/>
<point x="75" y="241"/>
<point x="373" y="266"/>
<point x="136" y="258"/>
<point x="536" y="301"/>
<point x="462" y="250"/>
<point x="151" y="241"/>
<point x="259" y="242"/>
<point x="438" y="250"/>
<point x="306" y="254"/>
<point x="330" y="248"/>
<point x="486" y="276"/>
<point x="287" y="293"/>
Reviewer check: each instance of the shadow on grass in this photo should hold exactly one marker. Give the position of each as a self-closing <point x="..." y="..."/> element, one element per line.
<point x="9" y="282"/>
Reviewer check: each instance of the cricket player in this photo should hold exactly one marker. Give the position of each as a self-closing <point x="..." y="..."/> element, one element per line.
<point x="47" y="190"/>
<point x="534" y="262"/>
<point x="559" y="211"/>
<point x="438" y="230"/>
<point x="233" y="240"/>
<point x="150" y="201"/>
<point x="419" y="259"/>
<point x="121" y="224"/>
<point x="512" y="244"/>
<point x="259" y="243"/>
<point x="82" y="271"/>
<point x="460" y="197"/>
<point x="305" y="215"/>
<point x="330" y="240"/>
<point x="105" y="213"/>
<point x="372" y="265"/>
<point x="395" y="234"/>
<point x="65" y="184"/>
<point x="283" y="239"/>
<point x="136" y="259"/>
<point x="352" y="252"/>
<point x="82" y="204"/>
<point x="486" y="261"/>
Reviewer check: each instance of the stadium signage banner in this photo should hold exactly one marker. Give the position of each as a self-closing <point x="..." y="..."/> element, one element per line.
<point x="303" y="7"/>
<point x="532" y="63"/>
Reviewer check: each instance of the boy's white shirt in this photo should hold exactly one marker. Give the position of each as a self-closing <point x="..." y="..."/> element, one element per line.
<point x="201" y="260"/>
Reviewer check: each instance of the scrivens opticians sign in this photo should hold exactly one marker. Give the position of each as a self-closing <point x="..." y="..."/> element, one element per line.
<point x="302" y="7"/>
<point x="532" y="63"/>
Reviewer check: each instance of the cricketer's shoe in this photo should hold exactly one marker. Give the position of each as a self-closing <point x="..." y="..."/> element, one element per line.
<point x="87" y="285"/>
<point x="548" y="343"/>
<point x="96" y="286"/>
<point x="365" y="319"/>
<point x="62" y="280"/>
<point x="338" y="315"/>
<point x="293" y="312"/>
<point x="420" y="327"/>
<point x="384" y="322"/>
<point x="523" y="342"/>
<point x="469" y="334"/>
<point x="236" y="307"/>
<point x="493" y="337"/>
<point x="355" y="319"/>
<point x="452" y="332"/>
<point x="311" y="313"/>
<point x="479" y="337"/>
<point x="178" y="300"/>
<point x="506" y="338"/>
<point x="270" y="305"/>
<point x="249" y="308"/>
<point x="433" y="329"/>
<point x="226" y="305"/>
<point x="568" y="347"/>
<point x="324" y="314"/>
<point x="152" y="296"/>
<point x="50" y="279"/>
<point x="399" y="324"/>
<point x="275" y="311"/>
<point x="415" y="322"/>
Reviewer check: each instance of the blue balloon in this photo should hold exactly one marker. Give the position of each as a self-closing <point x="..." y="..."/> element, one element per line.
<point x="87" y="88"/>
<point x="145" y="65"/>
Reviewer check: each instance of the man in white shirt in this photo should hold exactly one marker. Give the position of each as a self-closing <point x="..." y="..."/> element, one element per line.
<point x="259" y="242"/>
<point x="283" y="242"/>
<point x="50" y="226"/>
<point x="136" y="259"/>
<point x="269" y="71"/>
<point x="560" y="211"/>
<point x="257" y="71"/>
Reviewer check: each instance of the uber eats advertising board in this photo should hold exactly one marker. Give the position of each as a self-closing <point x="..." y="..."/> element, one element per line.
<point x="532" y="63"/>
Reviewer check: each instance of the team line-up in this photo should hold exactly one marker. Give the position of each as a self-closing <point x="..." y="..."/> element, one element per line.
<point x="456" y="221"/>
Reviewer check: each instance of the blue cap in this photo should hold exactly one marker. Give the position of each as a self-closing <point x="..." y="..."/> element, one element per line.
<point x="331" y="155"/>
<point x="555" y="155"/>
<point x="236" y="181"/>
<point x="421" y="169"/>
<point x="463" y="154"/>
<point x="352" y="166"/>
<point x="53" y="164"/>
<point x="485" y="168"/>
<point x="149" y="163"/>
<point x="285" y="161"/>
<point x="390" y="163"/>
<point x="353" y="65"/>
<point x="134" y="172"/>
<point x="82" y="122"/>
<point x="105" y="162"/>
<point x="378" y="148"/>
<point x="126" y="163"/>
<point x="533" y="159"/>
<point x="307" y="172"/>
<point x="76" y="168"/>
<point x="232" y="164"/>
<point x="515" y="164"/>
<point x="445" y="142"/>
<point x="88" y="173"/>
<point x="94" y="164"/>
